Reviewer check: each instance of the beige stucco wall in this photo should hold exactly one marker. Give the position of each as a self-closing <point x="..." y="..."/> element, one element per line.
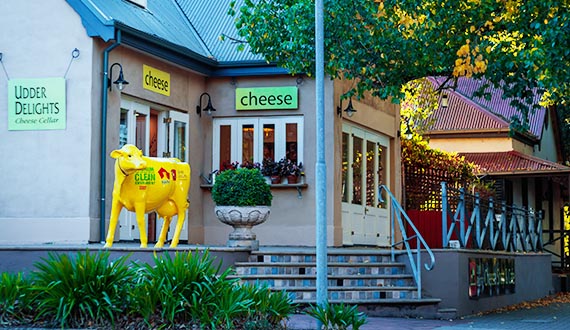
<point x="372" y="114"/>
<point x="292" y="219"/>
<point x="497" y="144"/>
<point x="46" y="174"/>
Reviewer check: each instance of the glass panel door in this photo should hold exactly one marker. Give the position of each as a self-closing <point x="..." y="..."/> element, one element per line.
<point x="176" y="129"/>
<point x="365" y="218"/>
<point x="134" y="129"/>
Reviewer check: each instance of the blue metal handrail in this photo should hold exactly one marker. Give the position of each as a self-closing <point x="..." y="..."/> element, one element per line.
<point x="397" y="212"/>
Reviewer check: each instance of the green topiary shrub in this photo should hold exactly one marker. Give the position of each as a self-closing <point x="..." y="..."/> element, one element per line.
<point x="241" y="187"/>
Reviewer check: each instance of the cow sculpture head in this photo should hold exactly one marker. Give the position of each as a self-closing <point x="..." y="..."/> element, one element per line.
<point x="129" y="159"/>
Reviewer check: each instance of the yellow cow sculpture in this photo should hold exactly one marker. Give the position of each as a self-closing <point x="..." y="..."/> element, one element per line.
<point x="145" y="184"/>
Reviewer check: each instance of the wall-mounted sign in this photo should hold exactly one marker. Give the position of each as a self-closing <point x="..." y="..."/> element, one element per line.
<point x="156" y="80"/>
<point x="36" y="104"/>
<point x="267" y="98"/>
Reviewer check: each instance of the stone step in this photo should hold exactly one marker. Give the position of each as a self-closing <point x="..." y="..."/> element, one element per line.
<point x="308" y="268"/>
<point x="278" y="280"/>
<point x="365" y="277"/>
<point x="364" y="302"/>
<point x="381" y="257"/>
<point x="334" y="293"/>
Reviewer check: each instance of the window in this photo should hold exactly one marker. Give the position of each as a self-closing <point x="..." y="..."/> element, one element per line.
<point x="253" y="139"/>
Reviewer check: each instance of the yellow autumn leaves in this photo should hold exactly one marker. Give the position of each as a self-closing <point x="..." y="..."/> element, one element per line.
<point x="469" y="61"/>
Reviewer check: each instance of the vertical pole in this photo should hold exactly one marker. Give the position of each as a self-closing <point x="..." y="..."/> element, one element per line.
<point x="461" y="206"/>
<point x="320" y="166"/>
<point x="504" y="220"/>
<point x="444" y="242"/>
<point x="419" y="265"/>
<point x="103" y="155"/>
<point x="477" y="212"/>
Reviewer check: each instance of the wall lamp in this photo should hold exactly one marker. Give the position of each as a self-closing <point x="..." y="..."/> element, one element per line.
<point x="350" y="110"/>
<point x="209" y="108"/>
<point x="120" y="82"/>
<point x="408" y="134"/>
<point x="444" y="100"/>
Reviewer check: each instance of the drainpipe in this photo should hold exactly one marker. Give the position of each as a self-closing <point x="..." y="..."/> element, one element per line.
<point x="104" y="96"/>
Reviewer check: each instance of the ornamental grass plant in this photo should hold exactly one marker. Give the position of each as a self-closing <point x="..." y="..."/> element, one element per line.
<point x="15" y="299"/>
<point x="81" y="291"/>
<point x="185" y="290"/>
<point x="337" y="316"/>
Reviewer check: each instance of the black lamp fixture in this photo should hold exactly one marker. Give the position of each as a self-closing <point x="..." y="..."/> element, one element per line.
<point x="350" y="110"/>
<point x="209" y="108"/>
<point x="408" y="133"/>
<point x="120" y="82"/>
<point x="444" y="100"/>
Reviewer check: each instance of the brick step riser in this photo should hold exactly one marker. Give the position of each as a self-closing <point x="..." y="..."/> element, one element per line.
<point x="313" y="258"/>
<point x="300" y="296"/>
<point x="291" y="270"/>
<point x="299" y="283"/>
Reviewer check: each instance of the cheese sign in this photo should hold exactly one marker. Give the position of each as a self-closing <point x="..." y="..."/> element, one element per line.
<point x="156" y="80"/>
<point x="267" y="98"/>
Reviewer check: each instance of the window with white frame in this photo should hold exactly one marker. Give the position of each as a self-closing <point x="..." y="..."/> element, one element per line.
<point x="252" y="139"/>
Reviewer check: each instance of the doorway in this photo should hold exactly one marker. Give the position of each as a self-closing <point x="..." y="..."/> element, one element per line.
<point x="158" y="133"/>
<point x="365" y="167"/>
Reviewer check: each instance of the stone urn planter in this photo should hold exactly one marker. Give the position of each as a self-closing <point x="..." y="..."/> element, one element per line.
<point x="242" y="219"/>
<point x="242" y="198"/>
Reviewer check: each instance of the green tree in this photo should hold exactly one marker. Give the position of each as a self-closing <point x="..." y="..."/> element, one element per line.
<point x="518" y="45"/>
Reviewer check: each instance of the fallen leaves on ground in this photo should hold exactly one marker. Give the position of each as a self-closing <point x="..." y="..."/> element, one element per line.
<point x="560" y="298"/>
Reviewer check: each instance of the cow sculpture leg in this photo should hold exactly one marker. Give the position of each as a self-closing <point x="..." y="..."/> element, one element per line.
<point x="179" y="224"/>
<point x="115" y="211"/>
<point x="140" y="212"/>
<point x="163" y="232"/>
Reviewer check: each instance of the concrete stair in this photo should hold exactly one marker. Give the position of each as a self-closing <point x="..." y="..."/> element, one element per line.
<point x="366" y="277"/>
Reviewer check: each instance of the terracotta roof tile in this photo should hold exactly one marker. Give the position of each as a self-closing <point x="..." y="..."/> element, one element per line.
<point x="463" y="114"/>
<point x="463" y="110"/>
<point x="513" y="163"/>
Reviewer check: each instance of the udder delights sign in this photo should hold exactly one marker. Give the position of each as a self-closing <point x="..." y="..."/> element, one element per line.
<point x="36" y="104"/>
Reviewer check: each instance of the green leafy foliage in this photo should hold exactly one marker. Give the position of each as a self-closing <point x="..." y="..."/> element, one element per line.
<point x="520" y="46"/>
<point x="14" y="298"/>
<point x="176" y="288"/>
<point x="184" y="291"/>
<point x="83" y="290"/>
<point x="269" y="167"/>
<point x="337" y="316"/>
<point x="241" y="187"/>
<point x="269" y="307"/>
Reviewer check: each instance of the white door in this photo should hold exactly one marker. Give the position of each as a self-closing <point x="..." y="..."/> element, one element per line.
<point x="158" y="133"/>
<point x="365" y="216"/>
<point x="175" y="128"/>
<point x="134" y="129"/>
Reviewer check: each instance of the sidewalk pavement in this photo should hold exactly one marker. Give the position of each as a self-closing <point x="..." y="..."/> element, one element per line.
<point x="555" y="316"/>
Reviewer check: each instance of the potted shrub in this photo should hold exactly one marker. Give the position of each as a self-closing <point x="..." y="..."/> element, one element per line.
<point x="290" y="170"/>
<point x="242" y="200"/>
<point x="271" y="169"/>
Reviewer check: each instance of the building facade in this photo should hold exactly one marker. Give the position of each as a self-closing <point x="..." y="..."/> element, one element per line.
<point x="60" y="62"/>
<point x="524" y="166"/>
